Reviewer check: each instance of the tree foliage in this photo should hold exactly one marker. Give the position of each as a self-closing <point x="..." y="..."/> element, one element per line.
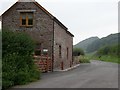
<point x="78" y="52"/>
<point x="110" y="50"/>
<point x="17" y="61"/>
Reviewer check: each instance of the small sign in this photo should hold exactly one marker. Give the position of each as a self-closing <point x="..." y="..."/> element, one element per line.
<point x="45" y="50"/>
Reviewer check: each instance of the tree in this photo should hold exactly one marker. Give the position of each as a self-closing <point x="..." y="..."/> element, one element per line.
<point x="109" y="50"/>
<point x="78" y="52"/>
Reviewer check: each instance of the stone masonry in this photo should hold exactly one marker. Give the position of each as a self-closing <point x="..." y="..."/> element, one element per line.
<point x="46" y="30"/>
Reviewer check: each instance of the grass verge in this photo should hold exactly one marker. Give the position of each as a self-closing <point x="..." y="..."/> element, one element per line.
<point x="108" y="58"/>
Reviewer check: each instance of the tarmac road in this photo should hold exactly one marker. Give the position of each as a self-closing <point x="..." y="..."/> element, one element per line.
<point x="97" y="74"/>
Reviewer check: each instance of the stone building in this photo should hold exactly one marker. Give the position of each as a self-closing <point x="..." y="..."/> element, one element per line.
<point x="49" y="33"/>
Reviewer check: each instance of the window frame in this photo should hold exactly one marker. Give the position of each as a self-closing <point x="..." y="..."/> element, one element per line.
<point x="26" y="19"/>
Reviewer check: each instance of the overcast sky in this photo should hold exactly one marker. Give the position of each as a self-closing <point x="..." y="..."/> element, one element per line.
<point x="83" y="18"/>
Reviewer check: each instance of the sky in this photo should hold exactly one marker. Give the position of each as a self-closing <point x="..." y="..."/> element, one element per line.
<point x="83" y="18"/>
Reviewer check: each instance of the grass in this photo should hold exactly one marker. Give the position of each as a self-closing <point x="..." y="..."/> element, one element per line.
<point x="108" y="58"/>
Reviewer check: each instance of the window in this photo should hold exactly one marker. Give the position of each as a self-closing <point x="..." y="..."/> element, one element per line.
<point x="26" y="19"/>
<point x="38" y="46"/>
<point x="37" y="52"/>
<point x="60" y="51"/>
<point x="67" y="52"/>
<point x="38" y="49"/>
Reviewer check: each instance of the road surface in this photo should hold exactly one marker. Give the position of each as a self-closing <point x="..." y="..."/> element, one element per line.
<point x="97" y="74"/>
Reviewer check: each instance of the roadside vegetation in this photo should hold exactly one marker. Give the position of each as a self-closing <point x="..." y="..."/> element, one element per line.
<point x="109" y="53"/>
<point x="79" y="56"/>
<point x="84" y="59"/>
<point x="108" y="58"/>
<point x="17" y="60"/>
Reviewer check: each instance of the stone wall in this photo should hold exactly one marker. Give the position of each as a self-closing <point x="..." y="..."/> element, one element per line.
<point x="42" y="30"/>
<point x="61" y="38"/>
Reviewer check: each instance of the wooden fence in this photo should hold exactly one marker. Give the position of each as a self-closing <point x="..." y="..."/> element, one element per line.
<point x="44" y="63"/>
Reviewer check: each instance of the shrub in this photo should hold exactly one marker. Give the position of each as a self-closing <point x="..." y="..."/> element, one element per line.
<point x="17" y="62"/>
<point x="83" y="59"/>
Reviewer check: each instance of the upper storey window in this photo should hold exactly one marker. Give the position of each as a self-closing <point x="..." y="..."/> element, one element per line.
<point x="26" y="19"/>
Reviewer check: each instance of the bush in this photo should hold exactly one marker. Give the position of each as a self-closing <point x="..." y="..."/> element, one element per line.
<point x="17" y="61"/>
<point x="83" y="59"/>
<point x="78" y="52"/>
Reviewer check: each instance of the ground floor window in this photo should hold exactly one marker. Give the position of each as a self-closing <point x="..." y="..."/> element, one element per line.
<point x="67" y="52"/>
<point x="60" y="51"/>
<point x="38" y="49"/>
<point x="37" y="52"/>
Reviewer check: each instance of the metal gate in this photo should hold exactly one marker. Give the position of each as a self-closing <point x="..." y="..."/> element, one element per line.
<point x="43" y="62"/>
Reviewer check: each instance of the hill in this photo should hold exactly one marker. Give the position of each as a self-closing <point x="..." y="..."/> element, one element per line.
<point x="85" y="43"/>
<point x="94" y="43"/>
<point x="110" y="40"/>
